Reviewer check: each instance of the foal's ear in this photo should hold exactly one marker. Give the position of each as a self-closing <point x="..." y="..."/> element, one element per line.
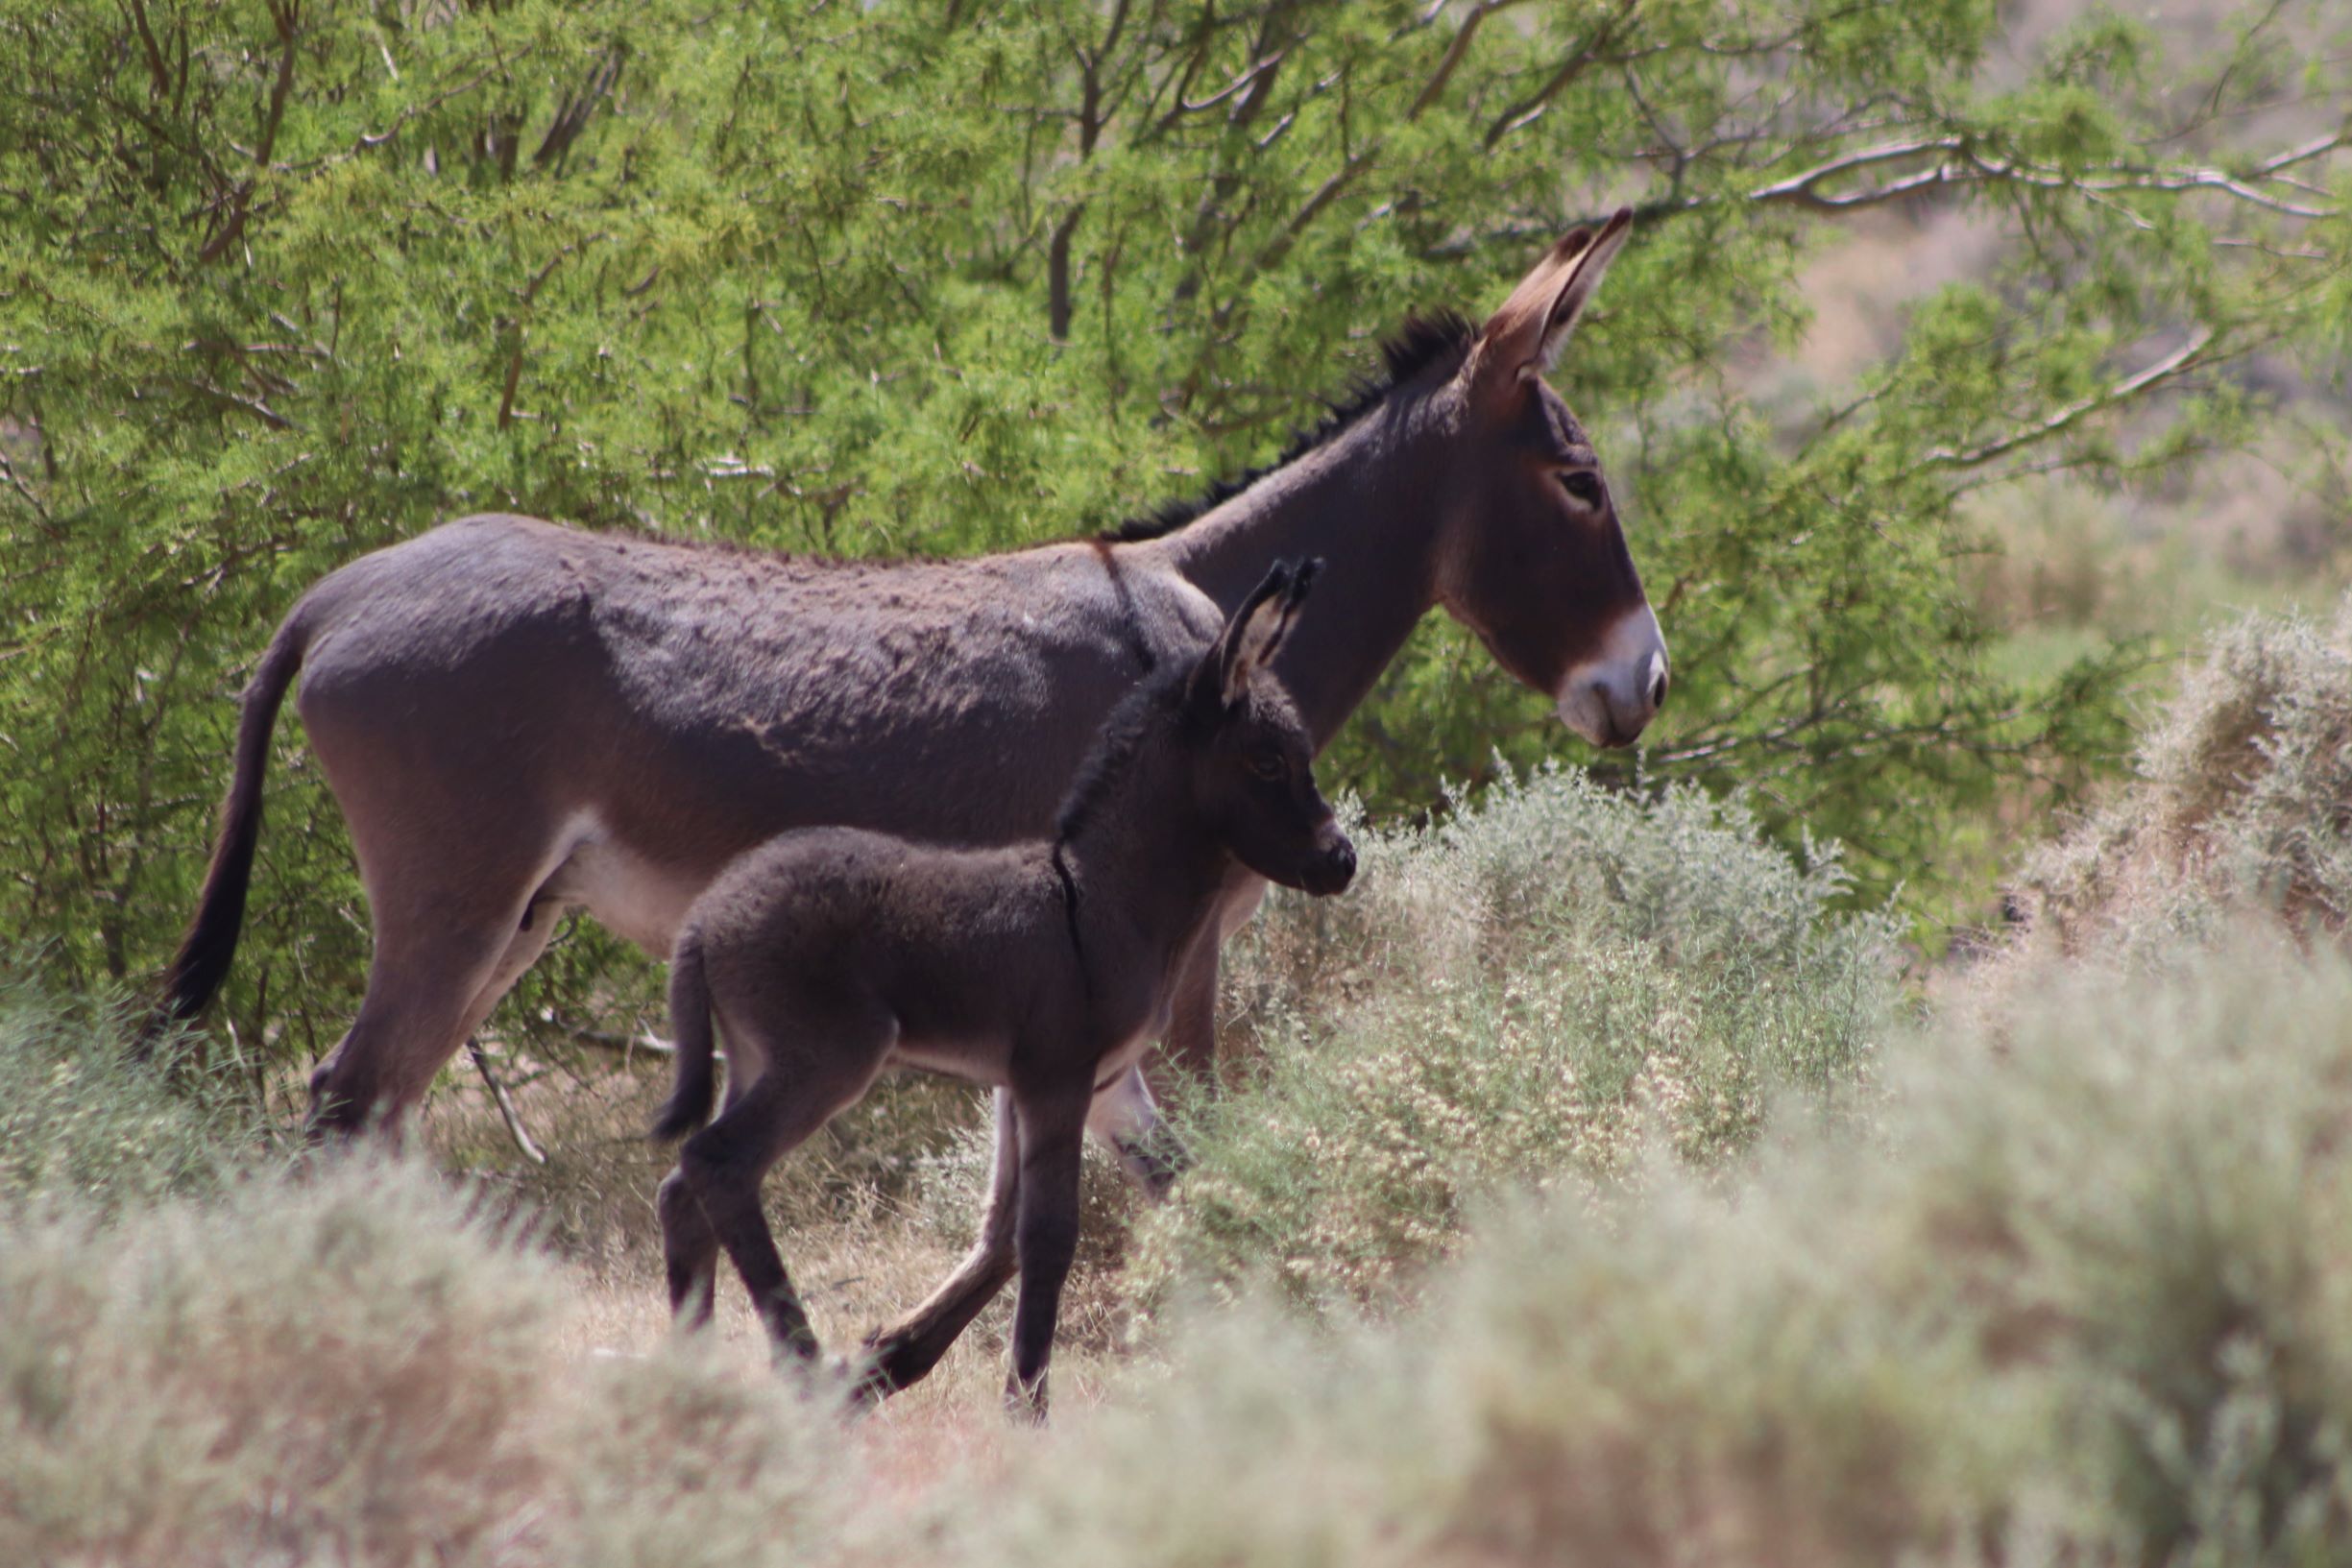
<point x="1257" y="630"/>
<point x="1523" y="338"/>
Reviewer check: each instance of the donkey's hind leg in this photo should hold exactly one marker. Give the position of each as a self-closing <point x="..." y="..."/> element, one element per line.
<point x="424" y="994"/>
<point x="905" y="1353"/>
<point x="721" y="1166"/>
<point x="448" y="947"/>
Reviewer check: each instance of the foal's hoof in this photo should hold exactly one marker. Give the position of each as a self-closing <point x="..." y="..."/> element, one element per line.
<point x="878" y="1370"/>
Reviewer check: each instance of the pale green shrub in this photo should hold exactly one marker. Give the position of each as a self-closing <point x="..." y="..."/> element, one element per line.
<point x="332" y="1367"/>
<point x="673" y="1462"/>
<point x="2084" y="1300"/>
<point x="2241" y="799"/>
<point x="79" y="1116"/>
<point x="359" y="1366"/>
<point x="1520" y="996"/>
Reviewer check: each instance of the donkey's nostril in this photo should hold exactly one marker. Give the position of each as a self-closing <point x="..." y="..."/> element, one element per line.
<point x="1657" y="690"/>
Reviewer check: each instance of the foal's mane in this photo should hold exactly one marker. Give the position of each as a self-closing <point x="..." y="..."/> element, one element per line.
<point x="1421" y="342"/>
<point x="1148" y="702"/>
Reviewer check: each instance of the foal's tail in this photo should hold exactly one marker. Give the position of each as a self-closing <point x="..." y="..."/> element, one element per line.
<point x="689" y="1105"/>
<point x="211" y="941"/>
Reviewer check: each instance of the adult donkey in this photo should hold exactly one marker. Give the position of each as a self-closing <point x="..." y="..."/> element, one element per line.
<point x="518" y="718"/>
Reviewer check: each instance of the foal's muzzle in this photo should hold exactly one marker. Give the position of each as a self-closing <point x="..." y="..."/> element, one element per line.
<point x="1333" y="869"/>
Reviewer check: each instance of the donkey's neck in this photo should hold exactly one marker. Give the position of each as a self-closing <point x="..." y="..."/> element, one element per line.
<point x="1371" y="502"/>
<point x="1145" y="867"/>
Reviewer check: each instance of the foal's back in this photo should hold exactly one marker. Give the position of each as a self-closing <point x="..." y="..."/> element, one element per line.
<point x="956" y="947"/>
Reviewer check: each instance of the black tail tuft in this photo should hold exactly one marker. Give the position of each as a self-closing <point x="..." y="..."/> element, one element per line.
<point x="203" y="961"/>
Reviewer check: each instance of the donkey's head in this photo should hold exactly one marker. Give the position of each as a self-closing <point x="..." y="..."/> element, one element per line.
<point x="1251" y="758"/>
<point x="1534" y="562"/>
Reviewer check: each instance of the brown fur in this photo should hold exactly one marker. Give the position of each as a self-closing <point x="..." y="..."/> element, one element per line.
<point x="518" y="718"/>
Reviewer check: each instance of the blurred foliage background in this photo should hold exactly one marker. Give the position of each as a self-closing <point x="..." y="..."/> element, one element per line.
<point x="1930" y="310"/>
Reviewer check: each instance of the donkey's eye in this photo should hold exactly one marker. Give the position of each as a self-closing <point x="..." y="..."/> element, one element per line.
<point x="1268" y="765"/>
<point x="1583" y="486"/>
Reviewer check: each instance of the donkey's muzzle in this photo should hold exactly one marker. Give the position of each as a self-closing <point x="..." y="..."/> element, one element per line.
<point x="1610" y="699"/>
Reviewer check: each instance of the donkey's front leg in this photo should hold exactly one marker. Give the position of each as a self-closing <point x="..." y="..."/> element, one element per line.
<point x="1189" y="1052"/>
<point x="1052" y="1136"/>
<point x="1126" y="1117"/>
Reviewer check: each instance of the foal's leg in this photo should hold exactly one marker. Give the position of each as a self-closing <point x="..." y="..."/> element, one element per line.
<point x="1123" y="1115"/>
<point x="1052" y="1139"/>
<point x="722" y="1165"/>
<point x="904" y="1354"/>
<point x="689" y="1247"/>
<point x="690" y="1251"/>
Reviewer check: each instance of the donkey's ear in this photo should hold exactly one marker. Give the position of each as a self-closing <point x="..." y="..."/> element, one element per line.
<point x="1525" y="335"/>
<point x="1258" y="628"/>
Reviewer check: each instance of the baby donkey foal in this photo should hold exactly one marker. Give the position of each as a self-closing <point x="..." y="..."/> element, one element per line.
<point x="1042" y="969"/>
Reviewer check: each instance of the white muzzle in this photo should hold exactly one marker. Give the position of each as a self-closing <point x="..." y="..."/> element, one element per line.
<point x="1611" y="699"/>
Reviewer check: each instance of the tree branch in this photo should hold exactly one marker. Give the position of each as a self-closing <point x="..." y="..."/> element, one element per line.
<point x="506" y="1106"/>
<point x="285" y="13"/>
<point x="1579" y="61"/>
<point x="2187" y="357"/>
<point x="1457" y="49"/>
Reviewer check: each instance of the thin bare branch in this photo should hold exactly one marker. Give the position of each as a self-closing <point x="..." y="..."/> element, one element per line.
<point x="1579" y="61"/>
<point x="1457" y="50"/>
<point x="1249" y="76"/>
<point x="2187" y="357"/>
<point x="507" y="1113"/>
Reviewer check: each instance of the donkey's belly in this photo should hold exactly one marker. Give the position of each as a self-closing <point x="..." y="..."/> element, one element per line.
<point x="631" y="894"/>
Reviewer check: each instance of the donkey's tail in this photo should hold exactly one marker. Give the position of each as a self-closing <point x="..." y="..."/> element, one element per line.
<point x="689" y="1105"/>
<point x="211" y="941"/>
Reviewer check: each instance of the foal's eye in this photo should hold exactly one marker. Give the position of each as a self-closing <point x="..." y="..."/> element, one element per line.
<point x="1583" y="486"/>
<point x="1269" y="767"/>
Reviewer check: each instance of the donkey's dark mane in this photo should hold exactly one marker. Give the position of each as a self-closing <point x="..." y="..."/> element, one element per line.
<point x="1147" y="703"/>
<point x="1425" y="339"/>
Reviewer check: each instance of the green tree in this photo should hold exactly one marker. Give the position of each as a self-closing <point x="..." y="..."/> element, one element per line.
<point x="286" y="280"/>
